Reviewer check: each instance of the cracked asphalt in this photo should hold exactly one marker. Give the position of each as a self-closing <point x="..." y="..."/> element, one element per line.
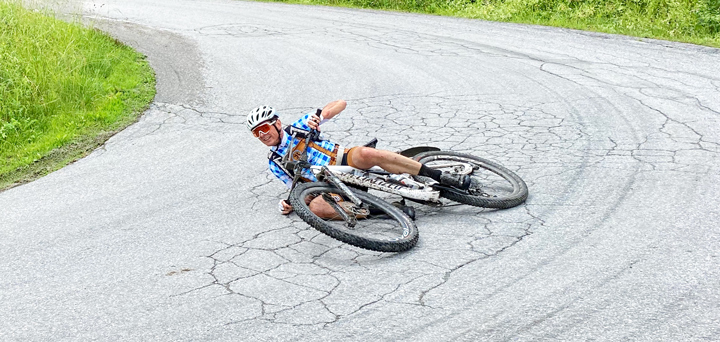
<point x="170" y="231"/>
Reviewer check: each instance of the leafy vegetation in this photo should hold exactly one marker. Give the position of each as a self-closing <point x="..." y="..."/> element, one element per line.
<point x="64" y="89"/>
<point x="694" y="21"/>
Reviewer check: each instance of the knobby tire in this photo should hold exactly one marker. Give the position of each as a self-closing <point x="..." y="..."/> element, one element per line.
<point x="395" y="232"/>
<point x="512" y="190"/>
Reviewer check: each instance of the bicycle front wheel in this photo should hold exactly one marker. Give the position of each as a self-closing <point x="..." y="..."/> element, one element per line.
<point x="492" y="185"/>
<point x="384" y="229"/>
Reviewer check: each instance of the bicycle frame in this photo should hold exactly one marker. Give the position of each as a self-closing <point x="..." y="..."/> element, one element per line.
<point x="374" y="178"/>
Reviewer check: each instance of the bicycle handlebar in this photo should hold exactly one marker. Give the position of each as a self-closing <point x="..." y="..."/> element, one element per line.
<point x="298" y="165"/>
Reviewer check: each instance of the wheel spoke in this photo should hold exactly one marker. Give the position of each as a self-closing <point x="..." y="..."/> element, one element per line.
<point x="384" y="228"/>
<point x="492" y="185"/>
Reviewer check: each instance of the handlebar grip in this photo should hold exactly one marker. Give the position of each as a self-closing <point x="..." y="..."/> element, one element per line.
<point x="313" y="132"/>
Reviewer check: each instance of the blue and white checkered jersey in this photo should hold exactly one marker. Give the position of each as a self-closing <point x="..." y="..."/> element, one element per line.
<point x="315" y="155"/>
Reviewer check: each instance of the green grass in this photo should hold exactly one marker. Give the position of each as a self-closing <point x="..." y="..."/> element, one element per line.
<point x="692" y="21"/>
<point x="64" y="89"/>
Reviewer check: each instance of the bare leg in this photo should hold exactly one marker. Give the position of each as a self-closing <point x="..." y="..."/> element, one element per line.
<point x="322" y="209"/>
<point x="366" y="157"/>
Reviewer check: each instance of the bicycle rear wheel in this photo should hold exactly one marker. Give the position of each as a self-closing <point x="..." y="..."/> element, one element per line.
<point x="492" y="185"/>
<point x="385" y="229"/>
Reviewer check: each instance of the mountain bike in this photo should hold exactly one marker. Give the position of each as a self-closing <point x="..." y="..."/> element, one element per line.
<point x="367" y="221"/>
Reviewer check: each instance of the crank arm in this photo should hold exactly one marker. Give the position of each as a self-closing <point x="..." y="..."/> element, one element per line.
<point x="334" y="180"/>
<point x="350" y="219"/>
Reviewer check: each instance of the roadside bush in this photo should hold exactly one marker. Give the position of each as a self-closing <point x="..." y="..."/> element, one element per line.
<point x="708" y="16"/>
<point x="685" y="20"/>
<point x="61" y="86"/>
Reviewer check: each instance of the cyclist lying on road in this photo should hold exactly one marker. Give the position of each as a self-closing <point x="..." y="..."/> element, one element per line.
<point x="265" y="125"/>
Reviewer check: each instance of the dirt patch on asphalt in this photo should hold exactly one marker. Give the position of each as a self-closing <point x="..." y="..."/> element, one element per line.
<point x="175" y="59"/>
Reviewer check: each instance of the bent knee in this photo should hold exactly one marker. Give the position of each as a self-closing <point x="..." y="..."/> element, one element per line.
<point x="364" y="157"/>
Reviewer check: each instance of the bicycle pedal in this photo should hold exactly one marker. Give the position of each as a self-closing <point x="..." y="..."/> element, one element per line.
<point x="406" y="209"/>
<point x="353" y="209"/>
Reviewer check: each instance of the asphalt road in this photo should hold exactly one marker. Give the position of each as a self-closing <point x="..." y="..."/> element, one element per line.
<point x="170" y="231"/>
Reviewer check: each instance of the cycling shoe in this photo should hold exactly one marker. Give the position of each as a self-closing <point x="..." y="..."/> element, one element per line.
<point x="406" y="209"/>
<point x="461" y="182"/>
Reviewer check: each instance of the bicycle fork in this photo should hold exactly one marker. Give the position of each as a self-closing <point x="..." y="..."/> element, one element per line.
<point x="335" y="181"/>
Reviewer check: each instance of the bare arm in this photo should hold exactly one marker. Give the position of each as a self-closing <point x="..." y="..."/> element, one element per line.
<point x="333" y="108"/>
<point x="328" y="112"/>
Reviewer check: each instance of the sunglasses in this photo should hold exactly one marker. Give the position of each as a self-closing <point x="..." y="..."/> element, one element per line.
<point x="264" y="128"/>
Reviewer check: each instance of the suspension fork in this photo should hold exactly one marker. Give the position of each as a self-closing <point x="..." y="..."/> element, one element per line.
<point x="334" y="180"/>
<point x="349" y="218"/>
<point x="302" y="163"/>
<point x="329" y="176"/>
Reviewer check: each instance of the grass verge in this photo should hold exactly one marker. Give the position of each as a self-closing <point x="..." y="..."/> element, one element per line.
<point x="64" y="90"/>
<point x="691" y="21"/>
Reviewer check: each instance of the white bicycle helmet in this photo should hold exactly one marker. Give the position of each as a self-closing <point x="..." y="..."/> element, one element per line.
<point x="260" y="115"/>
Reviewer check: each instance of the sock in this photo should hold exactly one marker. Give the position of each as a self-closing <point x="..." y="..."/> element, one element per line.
<point x="428" y="172"/>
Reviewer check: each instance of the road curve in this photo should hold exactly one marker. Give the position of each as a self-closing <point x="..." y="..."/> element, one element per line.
<point x="170" y="231"/>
